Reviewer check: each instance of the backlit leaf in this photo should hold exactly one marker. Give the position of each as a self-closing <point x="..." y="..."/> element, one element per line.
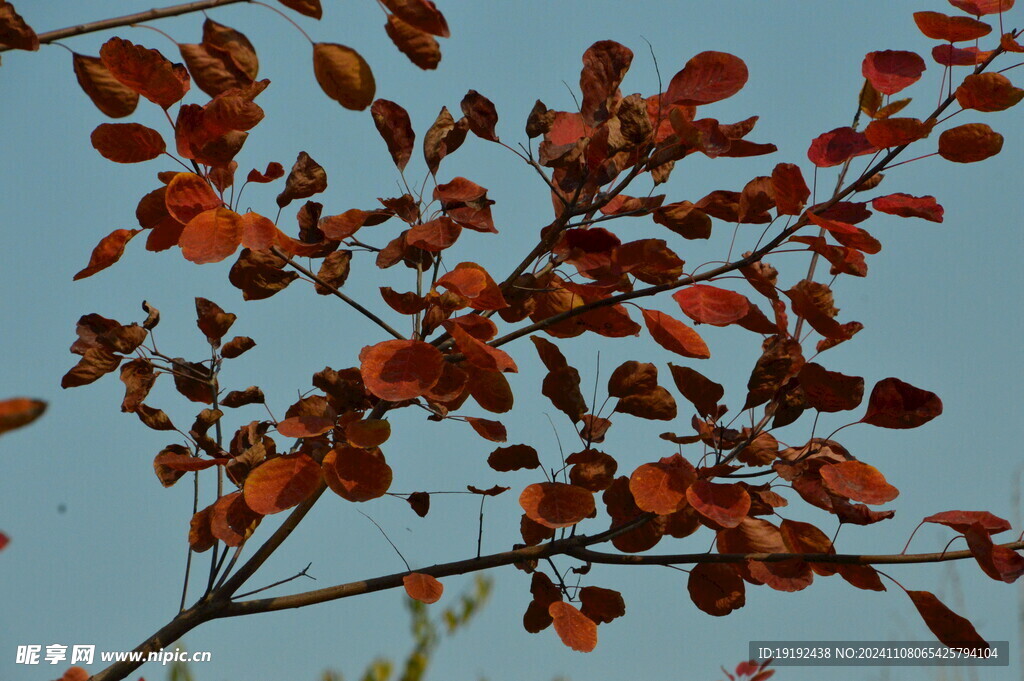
<point x="472" y="281"/>
<point x="423" y="14"/>
<point x="423" y="588"/>
<point x="488" y="430"/>
<point x="419" y="46"/>
<point x="701" y="391"/>
<point x="310" y="8"/>
<point x="791" y="191"/>
<point x="343" y="75"/>
<point x="660" y="487"/>
<point x="357" y="474"/>
<point x="604" y="65"/>
<point x="675" y="336"/>
<point x="188" y="195"/>
<point x="890" y="71"/>
<point x="109" y="94"/>
<point x="145" y="71"/>
<point x="895" y="132"/>
<point x="981" y="7"/>
<point x="400" y="369"/>
<point x="481" y="115"/>
<point x="107" y="252"/>
<point x="211" y="236"/>
<point x="281" y="483"/>
<point x="480" y="354"/>
<point x="434" y="235"/>
<point x="961" y="521"/>
<point x="969" y="143"/>
<point x="307" y="177"/>
<point x="490" y="389"/>
<point x="14" y="32"/>
<point x="575" y="629"/>
<point x="895" y="404"/>
<point x="556" y="504"/>
<point x="838" y="146"/>
<point x="907" y="206"/>
<point x="723" y="504"/>
<point x="231" y="519"/>
<point x="940" y="26"/>
<point x="710" y="305"/>
<point x="998" y="562"/>
<point x="857" y="481"/>
<point x="708" y="77"/>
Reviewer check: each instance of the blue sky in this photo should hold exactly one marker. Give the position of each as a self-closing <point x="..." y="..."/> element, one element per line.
<point x="940" y="307"/>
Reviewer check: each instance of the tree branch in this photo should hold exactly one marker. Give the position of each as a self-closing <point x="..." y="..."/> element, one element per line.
<point x="129" y="19"/>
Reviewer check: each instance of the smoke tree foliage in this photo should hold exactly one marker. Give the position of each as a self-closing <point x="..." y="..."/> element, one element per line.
<point x="436" y="300"/>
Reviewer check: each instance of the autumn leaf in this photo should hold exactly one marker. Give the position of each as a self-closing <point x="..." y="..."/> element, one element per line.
<point x="575" y="629"/>
<point x="343" y="75"/>
<point x="895" y="404"/>
<point x="281" y="483"/>
<point x="107" y="252"/>
<point x="400" y="370"/>
<point x="556" y="504"/>
<point x="18" y="412"/>
<point x="423" y="588"/>
<point x="357" y="474"/>
<point x="109" y="94"/>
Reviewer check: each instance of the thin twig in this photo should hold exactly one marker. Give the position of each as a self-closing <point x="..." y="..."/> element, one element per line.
<point x="148" y="15"/>
<point x="304" y="573"/>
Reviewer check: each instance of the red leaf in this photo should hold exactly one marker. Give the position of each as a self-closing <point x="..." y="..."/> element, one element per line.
<point x="675" y="336"/>
<point x="830" y="391"/>
<point x="127" y="142"/>
<point x="601" y="605"/>
<point x="940" y="26"/>
<point x="400" y="369"/>
<point x="488" y="430"/>
<point x="107" y="252"/>
<point x="490" y="389"/>
<point x="471" y="281"/>
<point x="556" y="504"/>
<point x="661" y="487"/>
<point x="998" y="562"/>
<point x="703" y="392"/>
<point x="706" y="78"/>
<point x="368" y="433"/>
<point x="948" y="627"/>
<point x="274" y="171"/>
<point x="480" y="354"/>
<point x="14" y="32"/>
<point x="961" y="521"/>
<point x="304" y="426"/>
<point x="716" y="588"/>
<point x="857" y="481"/>
<point x="988" y="92"/>
<point x="575" y="629"/>
<point x="895" y="132"/>
<point x="895" y="404"/>
<point x="339" y="227"/>
<point x="907" y="206"/>
<point x="847" y="234"/>
<point x="604" y="65"/>
<point x="435" y="235"/>
<point x="423" y="14"/>
<point x="309" y="8"/>
<point x="394" y="126"/>
<point x="281" y="483"/>
<point x="423" y="588"/>
<point x="108" y="94"/>
<point x="357" y="474"/>
<point x="231" y="520"/>
<point x="838" y="146"/>
<point x="791" y="191"/>
<point x="725" y="505"/>
<point x="890" y="71"/>
<point x="980" y="7"/>
<point x="710" y="305"/>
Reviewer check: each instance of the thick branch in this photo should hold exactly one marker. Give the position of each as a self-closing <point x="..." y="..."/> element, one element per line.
<point x="129" y="19"/>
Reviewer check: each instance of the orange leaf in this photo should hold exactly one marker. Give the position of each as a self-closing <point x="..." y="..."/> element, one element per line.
<point x="231" y="520"/>
<point x="188" y="195"/>
<point x="716" y="588"/>
<point x="211" y="236"/>
<point x="939" y="26"/>
<point x="435" y="235"/>
<point x="895" y="404"/>
<point x="895" y="132"/>
<point x="708" y="77"/>
<point x="725" y="505"/>
<point x="673" y="335"/>
<point x="344" y="225"/>
<point x="661" y="487"/>
<point x="107" y="252"/>
<point x="488" y="430"/>
<point x="472" y="281"/>
<point x="281" y="483"/>
<point x="575" y="629"/>
<point x="304" y="426"/>
<point x="710" y="305"/>
<point x="343" y="75"/>
<point x="423" y="588"/>
<point x="948" y="627"/>
<point x="490" y="389"/>
<point x="556" y="504"/>
<point x="369" y="433"/>
<point x="108" y="93"/>
<point x="988" y="92"/>
<point x="357" y="474"/>
<point x="969" y="143"/>
<point x="858" y="481"/>
<point x="146" y="71"/>
<point x="19" y="411"/>
<point x="400" y="369"/>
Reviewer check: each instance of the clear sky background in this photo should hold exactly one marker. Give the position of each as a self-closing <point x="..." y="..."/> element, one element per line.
<point x="940" y="306"/>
